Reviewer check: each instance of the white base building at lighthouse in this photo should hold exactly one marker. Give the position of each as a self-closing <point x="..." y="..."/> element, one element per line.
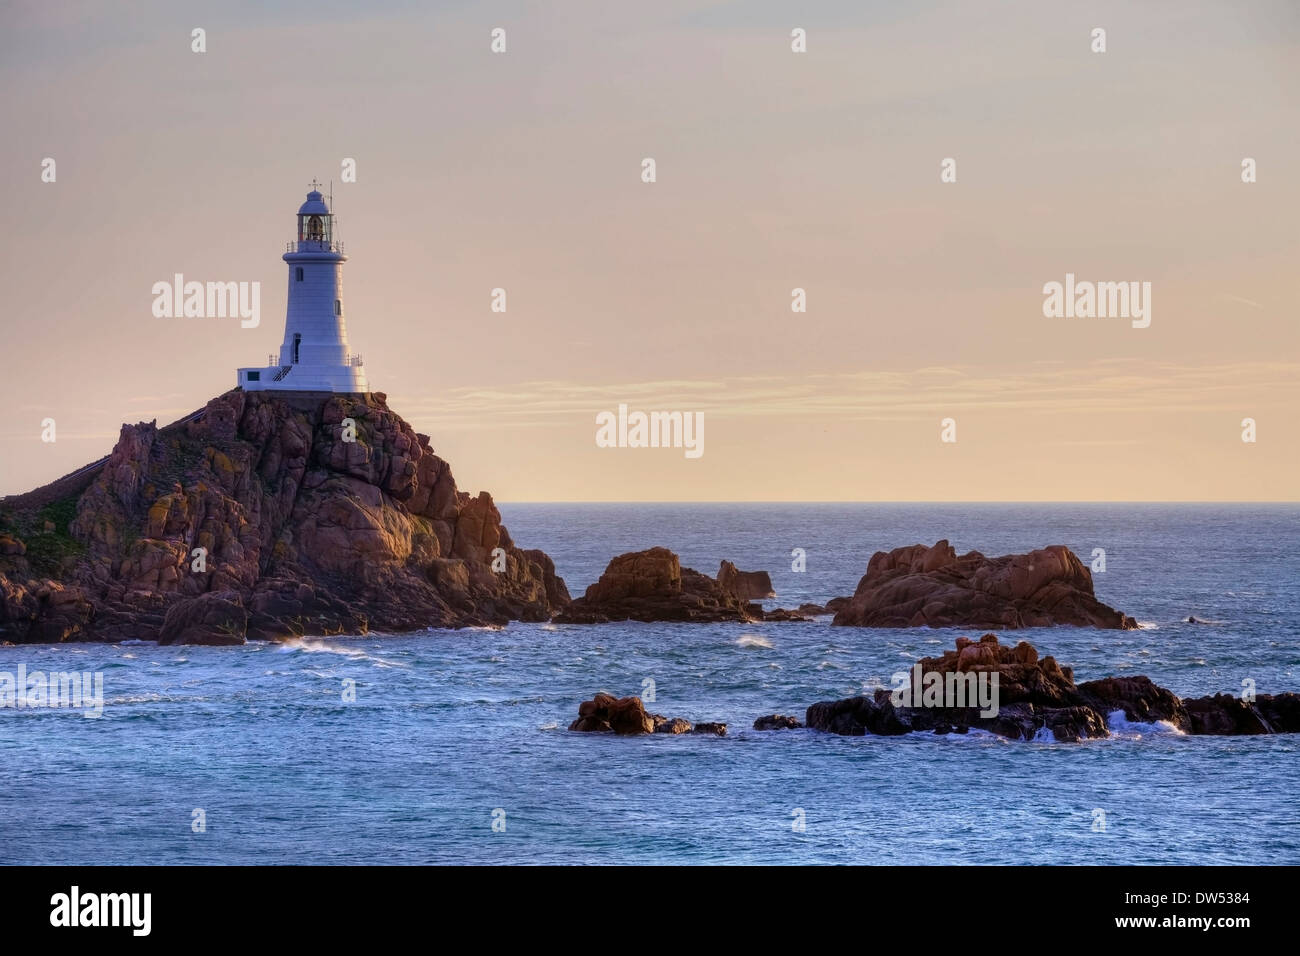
<point x="314" y="356"/>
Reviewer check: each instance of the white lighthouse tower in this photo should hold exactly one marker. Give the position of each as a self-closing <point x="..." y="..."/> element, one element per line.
<point x="314" y="356"/>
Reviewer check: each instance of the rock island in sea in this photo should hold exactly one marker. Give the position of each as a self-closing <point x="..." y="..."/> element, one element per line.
<point x="297" y="503"/>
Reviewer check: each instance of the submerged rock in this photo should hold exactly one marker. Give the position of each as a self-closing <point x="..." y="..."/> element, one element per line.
<point x="777" y="722"/>
<point x="674" y="725"/>
<point x="920" y="586"/>
<point x="777" y="614"/>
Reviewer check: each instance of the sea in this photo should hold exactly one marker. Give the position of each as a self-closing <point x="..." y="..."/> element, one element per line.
<point x="452" y="747"/>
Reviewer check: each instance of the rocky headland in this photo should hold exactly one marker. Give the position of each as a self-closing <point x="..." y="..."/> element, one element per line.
<point x="263" y="515"/>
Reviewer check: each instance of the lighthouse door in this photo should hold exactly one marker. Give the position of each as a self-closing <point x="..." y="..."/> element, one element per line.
<point x="297" y="341"/>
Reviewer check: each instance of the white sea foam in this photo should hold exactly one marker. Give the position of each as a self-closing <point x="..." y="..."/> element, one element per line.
<point x="307" y="646"/>
<point x="752" y="640"/>
<point x="1121" y="726"/>
<point x="150" y="698"/>
<point x="303" y="645"/>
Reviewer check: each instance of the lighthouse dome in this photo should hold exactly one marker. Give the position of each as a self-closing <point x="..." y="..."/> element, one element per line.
<point x="314" y="206"/>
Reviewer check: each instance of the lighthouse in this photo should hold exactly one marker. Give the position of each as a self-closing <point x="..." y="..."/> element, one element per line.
<point x="314" y="356"/>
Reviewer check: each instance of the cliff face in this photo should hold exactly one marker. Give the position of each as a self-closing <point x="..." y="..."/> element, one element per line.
<point x="305" y="532"/>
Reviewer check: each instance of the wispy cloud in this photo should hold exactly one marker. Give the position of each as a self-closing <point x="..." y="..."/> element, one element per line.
<point x="1112" y="386"/>
<point x="1236" y="298"/>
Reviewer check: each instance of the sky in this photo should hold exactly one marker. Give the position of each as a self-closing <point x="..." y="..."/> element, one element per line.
<point x="775" y="170"/>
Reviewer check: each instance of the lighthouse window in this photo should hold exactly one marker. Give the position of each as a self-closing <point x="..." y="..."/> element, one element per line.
<point x="338" y="306"/>
<point x="254" y="376"/>
<point x="299" y="270"/>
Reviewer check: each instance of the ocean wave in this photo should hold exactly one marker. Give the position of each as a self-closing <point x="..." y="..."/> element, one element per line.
<point x="752" y="640"/>
<point x="149" y="698"/>
<point x="1121" y="726"/>
<point x="302" y="645"/>
<point x="309" y="646"/>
